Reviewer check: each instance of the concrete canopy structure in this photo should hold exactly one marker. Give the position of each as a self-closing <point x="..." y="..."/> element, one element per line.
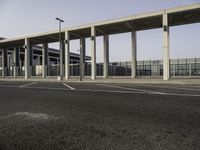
<point x="159" y="19"/>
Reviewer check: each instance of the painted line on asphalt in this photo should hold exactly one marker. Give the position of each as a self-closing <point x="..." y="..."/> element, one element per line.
<point x="86" y="90"/>
<point x="176" y="88"/>
<point x="110" y="91"/>
<point x="135" y="92"/>
<point x="12" y="86"/>
<point x="48" y="88"/>
<point x="132" y="89"/>
<point x="70" y="87"/>
<point x="107" y="91"/>
<point x="176" y="94"/>
<point x="25" y="85"/>
<point x="196" y="86"/>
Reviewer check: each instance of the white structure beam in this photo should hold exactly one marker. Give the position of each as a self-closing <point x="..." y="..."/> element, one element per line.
<point x="106" y="55"/>
<point x="44" y="59"/>
<point x="93" y="53"/>
<point x="4" y="63"/>
<point x="134" y="54"/>
<point x="27" y="59"/>
<point x="63" y="58"/>
<point x="67" y="50"/>
<point x="82" y="58"/>
<point x="166" y="50"/>
<point x="16" y="62"/>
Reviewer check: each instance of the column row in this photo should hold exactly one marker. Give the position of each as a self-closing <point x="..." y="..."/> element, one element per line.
<point x="65" y="55"/>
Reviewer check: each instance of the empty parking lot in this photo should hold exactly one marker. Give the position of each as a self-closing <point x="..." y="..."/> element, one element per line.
<point x="66" y="115"/>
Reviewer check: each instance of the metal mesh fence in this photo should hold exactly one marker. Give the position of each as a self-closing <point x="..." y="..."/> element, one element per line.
<point x="178" y="67"/>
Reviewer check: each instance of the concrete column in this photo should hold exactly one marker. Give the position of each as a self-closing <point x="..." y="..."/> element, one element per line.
<point x="27" y="59"/>
<point x="16" y="61"/>
<point x="1" y="61"/>
<point x="61" y="60"/>
<point x="44" y="59"/>
<point x="106" y="55"/>
<point x="63" y="57"/>
<point x="4" y="62"/>
<point x="166" y="74"/>
<point x="82" y="58"/>
<point x="38" y="59"/>
<point x="31" y="59"/>
<point x="93" y="53"/>
<point x="67" y="58"/>
<point x="190" y="69"/>
<point x="134" y="54"/>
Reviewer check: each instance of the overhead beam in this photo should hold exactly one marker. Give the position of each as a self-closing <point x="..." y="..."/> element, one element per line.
<point x="100" y="30"/>
<point x="130" y="25"/>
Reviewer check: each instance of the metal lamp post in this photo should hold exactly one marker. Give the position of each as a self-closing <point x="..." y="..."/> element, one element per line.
<point x="60" y="47"/>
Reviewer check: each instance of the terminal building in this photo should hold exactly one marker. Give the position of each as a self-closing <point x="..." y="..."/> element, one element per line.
<point x="53" y="62"/>
<point x="25" y="61"/>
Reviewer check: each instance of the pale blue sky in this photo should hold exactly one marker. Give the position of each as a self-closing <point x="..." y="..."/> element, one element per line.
<point x="25" y="17"/>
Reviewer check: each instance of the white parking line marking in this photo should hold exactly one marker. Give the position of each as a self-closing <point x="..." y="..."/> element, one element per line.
<point x="132" y="89"/>
<point x="107" y="91"/>
<point x="196" y="86"/>
<point x="25" y="85"/>
<point x="112" y="91"/>
<point x="48" y="88"/>
<point x="13" y="86"/>
<point x="176" y="94"/>
<point x="71" y="88"/>
<point x="179" y="88"/>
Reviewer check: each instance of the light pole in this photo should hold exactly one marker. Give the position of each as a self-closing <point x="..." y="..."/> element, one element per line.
<point x="60" y="47"/>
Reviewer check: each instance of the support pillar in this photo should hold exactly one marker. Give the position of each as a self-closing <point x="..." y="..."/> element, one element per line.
<point x="16" y="58"/>
<point x="4" y="62"/>
<point x="134" y="54"/>
<point x="27" y="59"/>
<point x="82" y="58"/>
<point x="190" y="69"/>
<point x="31" y="59"/>
<point x="93" y="53"/>
<point x="61" y="60"/>
<point x="106" y="55"/>
<point x="38" y="60"/>
<point x="166" y="74"/>
<point x="67" y="58"/>
<point x="44" y="59"/>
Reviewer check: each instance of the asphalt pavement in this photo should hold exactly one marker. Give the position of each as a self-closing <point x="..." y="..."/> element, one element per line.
<point x="98" y="116"/>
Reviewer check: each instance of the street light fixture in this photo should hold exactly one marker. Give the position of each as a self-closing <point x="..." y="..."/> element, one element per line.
<point x="60" y="47"/>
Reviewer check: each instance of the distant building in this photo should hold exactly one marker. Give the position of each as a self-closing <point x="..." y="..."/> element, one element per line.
<point x="53" y="61"/>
